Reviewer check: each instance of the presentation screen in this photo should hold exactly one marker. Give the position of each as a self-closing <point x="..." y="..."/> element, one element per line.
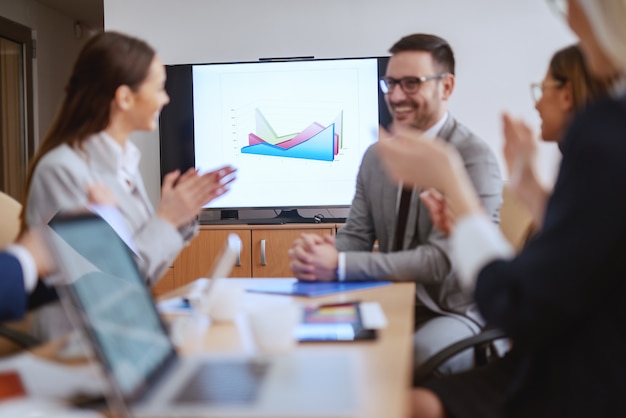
<point x="295" y="130"/>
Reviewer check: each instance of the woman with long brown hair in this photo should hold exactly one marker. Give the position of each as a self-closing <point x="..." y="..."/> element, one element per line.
<point x="117" y="87"/>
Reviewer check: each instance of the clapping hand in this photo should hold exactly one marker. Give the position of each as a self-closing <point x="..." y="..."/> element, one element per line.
<point x="409" y="156"/>
<point x="416" y="160"/>
<point x="184" y="195"/>
<point x="440" y="213"/>
<point x="520" y="150"/>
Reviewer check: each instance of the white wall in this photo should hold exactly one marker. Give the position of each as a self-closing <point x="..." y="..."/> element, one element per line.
<point x="501" y="45"/>
<point x="57" y="49"/>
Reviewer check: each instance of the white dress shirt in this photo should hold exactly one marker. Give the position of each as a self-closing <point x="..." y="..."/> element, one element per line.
<point x="126" y="161"/>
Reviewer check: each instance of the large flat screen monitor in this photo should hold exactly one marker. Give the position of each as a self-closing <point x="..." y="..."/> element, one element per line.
<point x="296" y="130"/>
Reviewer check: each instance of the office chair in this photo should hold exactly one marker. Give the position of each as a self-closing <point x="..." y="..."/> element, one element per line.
<point x="484" y="353"/>
<point x="9" y="228"/>
<point x="9" y="213"/>
<point x="516" y="226"/>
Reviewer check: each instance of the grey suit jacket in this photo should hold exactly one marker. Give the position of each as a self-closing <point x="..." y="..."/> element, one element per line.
<point x="60" y="182"/>
<point x="425" y="260"/>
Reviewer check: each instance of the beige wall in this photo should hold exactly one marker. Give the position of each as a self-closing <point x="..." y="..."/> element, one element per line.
<point x="56" y="50"/>
<point x="501" y="45"/>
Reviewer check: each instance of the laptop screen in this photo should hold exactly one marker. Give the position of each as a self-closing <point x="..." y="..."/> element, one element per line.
<point x="109" y="293"/>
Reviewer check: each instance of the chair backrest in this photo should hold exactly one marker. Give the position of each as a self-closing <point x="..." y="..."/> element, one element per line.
<point x="9" y="219"/>
<point x="515" y="219"/>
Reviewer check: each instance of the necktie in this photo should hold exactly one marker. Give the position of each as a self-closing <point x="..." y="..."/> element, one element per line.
<point x="403" y="214"/>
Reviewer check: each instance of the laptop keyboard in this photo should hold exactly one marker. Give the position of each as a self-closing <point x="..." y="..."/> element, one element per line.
<point x="224" y="383"/>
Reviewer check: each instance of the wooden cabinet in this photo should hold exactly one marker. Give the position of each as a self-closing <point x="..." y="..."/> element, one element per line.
<point x="197" y="259"/>
<point x="165" y="284"/>
<point x="263" y="253"/>
<point x="270" y="246"/>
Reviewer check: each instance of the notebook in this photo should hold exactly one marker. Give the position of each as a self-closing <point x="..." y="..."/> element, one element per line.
<point x="312" y="289"/>
<point x="106" y="292"/>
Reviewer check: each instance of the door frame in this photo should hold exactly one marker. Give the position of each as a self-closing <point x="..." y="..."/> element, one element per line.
<point x="23" y="35"/>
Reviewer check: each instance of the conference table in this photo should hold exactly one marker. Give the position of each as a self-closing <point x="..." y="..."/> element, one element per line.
<point x="383" y="366"/>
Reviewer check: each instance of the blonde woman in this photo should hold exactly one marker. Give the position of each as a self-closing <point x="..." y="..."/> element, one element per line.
<point x="561" y="297"/>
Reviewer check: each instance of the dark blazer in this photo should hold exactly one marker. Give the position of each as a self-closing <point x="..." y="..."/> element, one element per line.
<point x="13" y="297"/>
<point x="14" y="300"/>
<point x="562" y="298"/>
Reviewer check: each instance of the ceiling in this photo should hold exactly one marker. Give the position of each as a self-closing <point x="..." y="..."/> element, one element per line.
<point x="88" y="12"/>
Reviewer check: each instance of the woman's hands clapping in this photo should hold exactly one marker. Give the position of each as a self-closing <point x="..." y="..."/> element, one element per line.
<point x="184" y="195"/>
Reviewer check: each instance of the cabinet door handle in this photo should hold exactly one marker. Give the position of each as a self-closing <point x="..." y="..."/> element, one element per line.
<point x="263" y="260"/>
<point x="238" y="262"/>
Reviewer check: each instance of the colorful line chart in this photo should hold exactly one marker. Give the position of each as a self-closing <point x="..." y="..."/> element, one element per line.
<point x="315" y="142"/>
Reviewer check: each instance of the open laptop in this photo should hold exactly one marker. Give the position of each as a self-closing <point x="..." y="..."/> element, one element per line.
<point x="107" y="295"/>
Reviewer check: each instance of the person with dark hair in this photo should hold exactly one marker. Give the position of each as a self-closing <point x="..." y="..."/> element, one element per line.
<point x="117" y="87"/>
<point x="560" y="299"/>
<point x="439" y="49"/>
<point x="419" y="81"/>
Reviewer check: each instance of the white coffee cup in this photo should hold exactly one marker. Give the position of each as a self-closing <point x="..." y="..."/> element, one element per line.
<point x="272" y="326"/>
<point x="187" y="332"/>
<point x="225" y="302"/>
<point x="221" y="300"/>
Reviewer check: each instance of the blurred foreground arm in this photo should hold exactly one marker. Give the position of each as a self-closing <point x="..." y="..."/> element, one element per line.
<point x="424" y="163"/>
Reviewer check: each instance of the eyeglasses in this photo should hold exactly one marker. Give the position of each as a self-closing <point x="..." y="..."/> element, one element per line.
<point x="560" y="7"/>
<point x="409" y="85"/>
<point x="537" y="89"/>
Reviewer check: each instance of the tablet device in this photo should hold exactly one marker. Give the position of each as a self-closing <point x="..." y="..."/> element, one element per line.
<point x="333" y="322"/>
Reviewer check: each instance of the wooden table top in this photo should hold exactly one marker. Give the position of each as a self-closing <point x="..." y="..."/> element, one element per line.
<point x="384" y="365"/>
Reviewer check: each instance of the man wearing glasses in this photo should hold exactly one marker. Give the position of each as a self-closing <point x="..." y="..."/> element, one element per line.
<point x="417" y="86"/>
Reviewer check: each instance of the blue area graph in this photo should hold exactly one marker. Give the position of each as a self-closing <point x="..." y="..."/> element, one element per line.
<point x="320" y="146"/>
